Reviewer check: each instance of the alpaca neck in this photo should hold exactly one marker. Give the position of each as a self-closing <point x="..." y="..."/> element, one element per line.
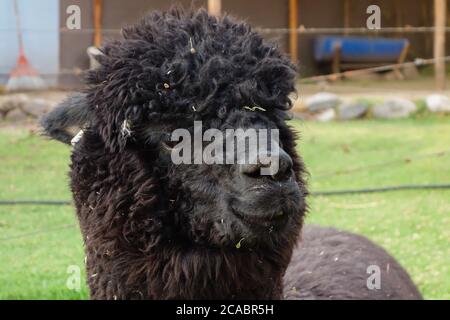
<point x="217" y="274"/>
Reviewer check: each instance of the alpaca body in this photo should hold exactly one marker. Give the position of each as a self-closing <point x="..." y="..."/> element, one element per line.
<point x="333" y="264"/>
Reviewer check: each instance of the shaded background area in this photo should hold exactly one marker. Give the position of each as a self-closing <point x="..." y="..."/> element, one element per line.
<point x="264" y="14"/>
<point x="55" y="50"/>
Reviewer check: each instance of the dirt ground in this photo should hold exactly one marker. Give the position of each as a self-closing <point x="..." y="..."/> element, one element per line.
<point x="404" y="88"/>
<point x="372" y="89"/>
<point x="53" y="95"/>
<point x="409" y="89"/>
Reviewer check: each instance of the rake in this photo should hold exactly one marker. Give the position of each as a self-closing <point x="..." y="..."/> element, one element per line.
<point x="23" y="76"/>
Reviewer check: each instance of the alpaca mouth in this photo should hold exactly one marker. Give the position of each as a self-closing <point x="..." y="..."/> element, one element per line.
<point x="273" y="219"/>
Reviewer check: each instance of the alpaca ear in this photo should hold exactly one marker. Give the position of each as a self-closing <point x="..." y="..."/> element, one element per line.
<point x="68" y="118"/>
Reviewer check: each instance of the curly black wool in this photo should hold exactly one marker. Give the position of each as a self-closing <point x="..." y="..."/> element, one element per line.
<point x="153" y="230"/>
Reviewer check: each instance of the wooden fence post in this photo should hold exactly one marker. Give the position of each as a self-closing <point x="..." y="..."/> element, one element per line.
<point x="440" y="13"/>
<point x="215" y="7"/>
<point x="346" y="16"/>
<point x="98" y="23"/>
<point x="293" y="26"/>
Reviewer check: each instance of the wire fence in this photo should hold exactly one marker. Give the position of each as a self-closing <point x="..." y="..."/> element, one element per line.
<point x="385" y="164"/>
<point x="38" y="232"/>
<point x="314" y="193"/>
<point x="382" y="189"/>
<point x="320" y="175"/>
<point x="387" y="67"/>
<point x="300" y="30"/>
<point x="331" y="76"/>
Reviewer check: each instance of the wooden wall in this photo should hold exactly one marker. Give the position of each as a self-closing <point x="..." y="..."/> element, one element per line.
<point x="260" y="13"/>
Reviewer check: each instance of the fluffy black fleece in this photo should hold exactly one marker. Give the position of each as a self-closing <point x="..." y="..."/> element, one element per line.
<point x="153" y="230"/>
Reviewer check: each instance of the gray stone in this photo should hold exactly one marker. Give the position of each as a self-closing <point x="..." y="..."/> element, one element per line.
<point x="410" y="72"/>
<point x="36" y="107"/>
<point x="16" y="115"/>
<point x="352" y="110"/>
<point x="394" y="108"/>
<point x="438" y="103"/>
<point x="321" y="101"/>
<point x="5" y="108"/>
<point x="11" y="102"/>
<point x="325" y="116"/>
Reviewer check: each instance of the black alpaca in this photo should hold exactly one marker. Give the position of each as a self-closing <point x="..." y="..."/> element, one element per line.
<point x="155" y="230"/>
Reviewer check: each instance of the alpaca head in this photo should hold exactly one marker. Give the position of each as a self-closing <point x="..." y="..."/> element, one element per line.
<point x="173" y="71"/>
<point x="236" y="203"/>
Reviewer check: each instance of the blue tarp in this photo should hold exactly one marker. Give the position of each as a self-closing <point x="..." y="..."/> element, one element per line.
<point x="358" y="49"/>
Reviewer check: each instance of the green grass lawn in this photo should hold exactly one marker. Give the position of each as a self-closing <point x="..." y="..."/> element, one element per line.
<point x="39" y="243"/>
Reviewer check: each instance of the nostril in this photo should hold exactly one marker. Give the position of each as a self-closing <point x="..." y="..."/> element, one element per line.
<point x="251" y="170"/>
<point x="284" y="167"/>
<point x="279" y="168"/>
<point x="282" y="175"/>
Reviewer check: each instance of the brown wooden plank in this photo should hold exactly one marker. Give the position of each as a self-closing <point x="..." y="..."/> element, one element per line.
<point x="440" y="13"/>
<point x="293" y="35"/>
